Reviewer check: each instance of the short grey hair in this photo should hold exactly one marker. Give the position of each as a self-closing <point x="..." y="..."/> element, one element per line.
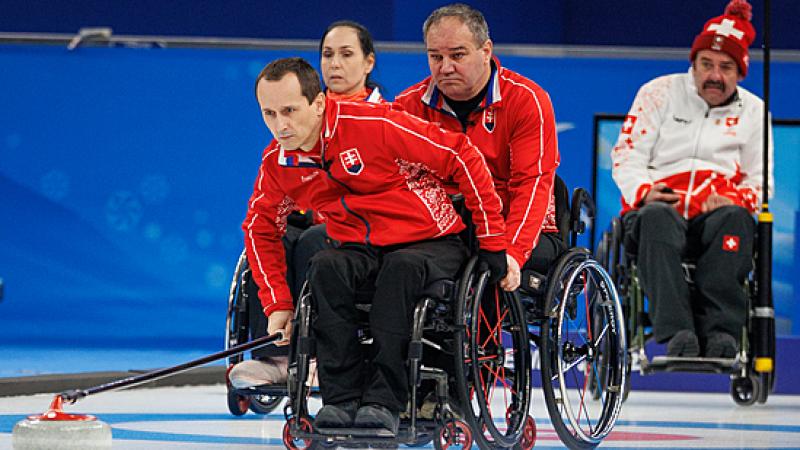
<point x="466" y="14"/>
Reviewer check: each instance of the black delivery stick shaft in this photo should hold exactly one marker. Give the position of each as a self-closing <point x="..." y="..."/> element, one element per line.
<point x="76" y="394"/>
<point x="763" y="312"/>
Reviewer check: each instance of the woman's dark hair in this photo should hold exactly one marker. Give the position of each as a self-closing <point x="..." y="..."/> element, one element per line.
<point x="364" y="41"/>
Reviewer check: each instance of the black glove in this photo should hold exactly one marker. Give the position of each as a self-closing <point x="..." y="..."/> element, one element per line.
<point x="495" y="262"/>
<point x="300" y="219"/>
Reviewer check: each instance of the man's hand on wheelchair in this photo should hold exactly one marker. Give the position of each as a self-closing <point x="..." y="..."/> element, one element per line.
<point x="512" y="279"/>
<point x="660" y="192"/>
<point x="715" y="201"/>
<point x="502" y="268"/>
<point x="280" y="322"/>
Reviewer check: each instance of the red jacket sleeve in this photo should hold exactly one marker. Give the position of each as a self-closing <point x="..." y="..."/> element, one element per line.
<point x="451" y="156"/>
<point x="534" y="159"/>
<point x="264" y="227"/>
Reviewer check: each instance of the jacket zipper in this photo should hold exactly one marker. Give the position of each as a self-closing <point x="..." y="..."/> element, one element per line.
<point x="689" y="191"/>
<point x="326" y="166"/>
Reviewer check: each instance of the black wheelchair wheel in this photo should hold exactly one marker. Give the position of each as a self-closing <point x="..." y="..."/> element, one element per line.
<point x="767" y="381"/>
<point x="236" y="330"/>
<point x="300" y="355"/>
<point x="264" y="404"/>
<point x="582" y="342"/>
<point x="236" y="324"/>
<point x="745" y="390"/>
<point x="492" y="363"/>
<point x="237" y="404"/>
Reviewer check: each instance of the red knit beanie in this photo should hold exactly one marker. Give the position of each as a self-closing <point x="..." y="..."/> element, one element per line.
<point x="731" y="33"/>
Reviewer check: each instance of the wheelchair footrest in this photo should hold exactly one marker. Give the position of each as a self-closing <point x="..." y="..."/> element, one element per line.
<point x="275" y="390"/>
<point x="693" y="364"/>
<point x="356" y="432"/>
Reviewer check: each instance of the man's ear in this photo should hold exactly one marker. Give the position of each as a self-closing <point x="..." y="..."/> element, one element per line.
<point x="486" y="49"/>
<point x="319" y="103"/>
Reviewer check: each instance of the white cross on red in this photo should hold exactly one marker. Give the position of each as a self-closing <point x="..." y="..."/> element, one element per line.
<point x="726" y="28"/>
<point x="627" y="126"/>
<point x="730" y="243"/>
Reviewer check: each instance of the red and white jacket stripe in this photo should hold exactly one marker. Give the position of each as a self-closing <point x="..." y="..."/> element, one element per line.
<point x="515" y="129"/>
<point x="375" y="176"/>
<point x="672" y="136"/>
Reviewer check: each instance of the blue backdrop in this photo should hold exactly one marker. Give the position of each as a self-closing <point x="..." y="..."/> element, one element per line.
<point x="124" y="175"/>
<point x="671" y="23"/>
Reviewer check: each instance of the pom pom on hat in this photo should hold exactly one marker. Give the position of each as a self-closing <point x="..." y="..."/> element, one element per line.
<point x="740" y="8"/>
<point x="731" y="33"/>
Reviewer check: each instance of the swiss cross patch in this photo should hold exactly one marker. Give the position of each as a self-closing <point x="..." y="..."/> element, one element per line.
<point x="627" y="125"/>
<point x="731" y="121"/>
<point x="351" y="161"/>
<point x="730" y="243"/>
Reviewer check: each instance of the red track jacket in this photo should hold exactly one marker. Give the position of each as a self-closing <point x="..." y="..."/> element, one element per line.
<point x="515" y="130"/>
<point x="375" y="176"/>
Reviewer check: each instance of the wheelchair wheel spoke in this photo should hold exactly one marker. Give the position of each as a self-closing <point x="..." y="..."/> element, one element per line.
<point x="556" y="376"/>
<point x="600" y="337"/>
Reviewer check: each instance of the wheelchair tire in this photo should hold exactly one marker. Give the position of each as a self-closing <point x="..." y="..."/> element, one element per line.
<point x="583" y="338"/>
<point x="492" y="362"/>
<point x="295" y="444"/>
<point x="455" y="433"/>
<point x="264" y="404"/>
<point x="746" y="390"/>
<point x="528" y="440"/>
<point x="767" y="381"/>
<point x="236" y="330"/>
<point x="236" y="324"/>
<point x="237" y="404"/>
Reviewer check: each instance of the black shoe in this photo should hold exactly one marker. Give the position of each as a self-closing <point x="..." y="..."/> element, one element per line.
<point x="377" y="416"/>
<point x="720" y="345"/>
<point x="339" y="415"/>
<point x="684" y="343"/>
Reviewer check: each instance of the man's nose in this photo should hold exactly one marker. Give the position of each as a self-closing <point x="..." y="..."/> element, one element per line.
<point x="447" y="66"/>
<point x="283" y="123"/>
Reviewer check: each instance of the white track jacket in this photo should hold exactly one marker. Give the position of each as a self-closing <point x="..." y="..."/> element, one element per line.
<point x="672" y="136"/>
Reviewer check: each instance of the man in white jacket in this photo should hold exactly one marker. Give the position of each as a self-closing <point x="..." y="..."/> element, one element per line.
<point x="689" y="164"/>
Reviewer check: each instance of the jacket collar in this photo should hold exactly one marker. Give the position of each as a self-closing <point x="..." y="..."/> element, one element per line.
<point x="295" y="158"/>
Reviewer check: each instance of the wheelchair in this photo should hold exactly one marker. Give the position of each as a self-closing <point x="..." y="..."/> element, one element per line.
<point x="575" y="319"/>
<point x="569" y="311"/>
<point x="482" y="394"/>
<point x="748" y="385"/>
<point x="243" y="306"/>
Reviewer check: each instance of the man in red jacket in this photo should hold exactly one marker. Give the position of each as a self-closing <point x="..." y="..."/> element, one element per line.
<point x="374" y="174"/>
<point x="509" y="117"/>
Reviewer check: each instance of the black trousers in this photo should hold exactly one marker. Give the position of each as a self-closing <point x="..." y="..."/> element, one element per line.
<point x="721" y="242"/>
<point x="401" y="274"/>
<point x="549" y="247"/>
